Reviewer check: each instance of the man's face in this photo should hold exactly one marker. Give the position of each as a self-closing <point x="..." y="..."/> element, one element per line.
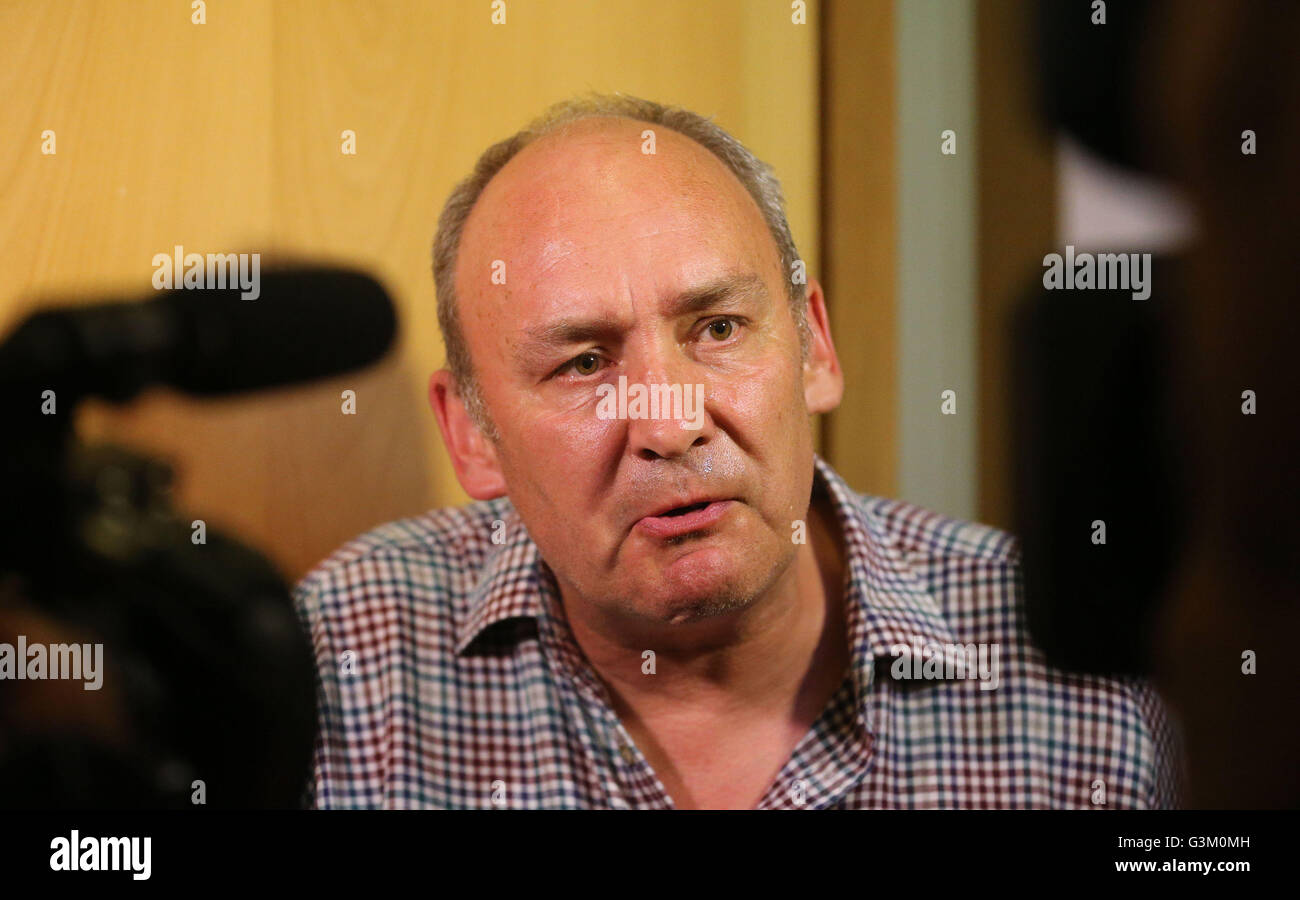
<point x="660" y="268"/>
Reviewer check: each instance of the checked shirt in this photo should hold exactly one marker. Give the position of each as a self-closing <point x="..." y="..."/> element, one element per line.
<point x="448" y="677"/>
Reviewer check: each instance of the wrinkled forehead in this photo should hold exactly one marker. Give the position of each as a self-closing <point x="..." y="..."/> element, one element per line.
<point x="588" y="214"/>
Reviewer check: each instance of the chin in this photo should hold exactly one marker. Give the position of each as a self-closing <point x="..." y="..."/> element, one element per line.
<point x="705" y="577"/>
<point x="694" y="589"/>
<point x="684" y="611"/>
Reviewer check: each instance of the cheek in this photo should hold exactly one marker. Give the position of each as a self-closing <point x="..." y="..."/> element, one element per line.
<point x="557" y="459"/>
<point x="767" y="398"/>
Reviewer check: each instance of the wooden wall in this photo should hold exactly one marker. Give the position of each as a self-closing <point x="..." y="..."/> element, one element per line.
<point x="225" y="137"/>
<point x="860" y="228"/>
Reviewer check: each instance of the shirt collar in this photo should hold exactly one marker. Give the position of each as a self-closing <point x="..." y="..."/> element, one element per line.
<point x="514" y="584"/>
<point x="897" y="607"/>
<point x="886" y="601"/>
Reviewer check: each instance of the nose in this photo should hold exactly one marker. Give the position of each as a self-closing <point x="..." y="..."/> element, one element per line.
<point x="672" y="416"/>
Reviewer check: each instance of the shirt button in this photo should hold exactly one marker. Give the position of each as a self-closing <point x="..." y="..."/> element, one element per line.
<point x="629" y="756"/>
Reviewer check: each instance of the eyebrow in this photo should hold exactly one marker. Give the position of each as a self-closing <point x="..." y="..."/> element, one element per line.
<point x="540" y="338"/>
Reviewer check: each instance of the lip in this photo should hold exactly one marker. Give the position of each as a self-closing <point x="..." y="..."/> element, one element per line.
<point x="659" y="526"/>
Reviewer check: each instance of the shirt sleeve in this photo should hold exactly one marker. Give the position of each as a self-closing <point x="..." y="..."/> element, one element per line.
<point x="1168" y="764"/>
<point x="318" y="792"/>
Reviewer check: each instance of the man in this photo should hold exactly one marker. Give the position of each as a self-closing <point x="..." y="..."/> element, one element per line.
<point x="682" y="608"/>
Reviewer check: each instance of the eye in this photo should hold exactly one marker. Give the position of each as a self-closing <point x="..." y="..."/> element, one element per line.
<point x="586" y="364"/>
<point x="721" y="329"/>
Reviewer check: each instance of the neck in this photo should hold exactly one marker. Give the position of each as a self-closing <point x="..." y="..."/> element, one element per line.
<point x="785" y="651"/>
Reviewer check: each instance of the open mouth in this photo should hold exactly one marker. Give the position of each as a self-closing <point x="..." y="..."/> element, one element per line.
<point x="684" y="510"/>
<point x="684" y="520"/>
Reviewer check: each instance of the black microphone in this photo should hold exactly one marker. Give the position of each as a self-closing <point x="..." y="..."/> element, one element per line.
<point x="306" y="323"/>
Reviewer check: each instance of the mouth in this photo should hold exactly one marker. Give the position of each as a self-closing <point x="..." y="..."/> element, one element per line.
<point x="684" y="519"/>
<point x="683" y="510"/>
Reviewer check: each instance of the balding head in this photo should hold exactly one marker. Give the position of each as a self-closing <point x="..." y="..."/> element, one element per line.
<point x="596" y="255"/>
<point x="754" y="176"/>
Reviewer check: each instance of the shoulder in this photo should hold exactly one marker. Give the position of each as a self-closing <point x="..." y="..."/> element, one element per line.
<point x="920" y="532"/>
<point x="972" y="572"/>
<point x="441" y="550"/>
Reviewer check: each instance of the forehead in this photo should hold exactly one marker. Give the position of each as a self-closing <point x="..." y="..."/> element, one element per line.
<point x="586" y="213"/>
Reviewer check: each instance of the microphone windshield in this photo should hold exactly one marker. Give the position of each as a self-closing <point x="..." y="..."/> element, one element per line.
<point x="306" y="323"/>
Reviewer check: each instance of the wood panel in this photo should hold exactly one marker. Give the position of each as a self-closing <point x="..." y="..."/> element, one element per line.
<point x="859" y="191"/>
<point x="226" y="137"/>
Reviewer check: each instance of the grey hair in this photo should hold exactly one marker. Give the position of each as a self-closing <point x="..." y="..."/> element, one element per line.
<point x="757" y="177"/>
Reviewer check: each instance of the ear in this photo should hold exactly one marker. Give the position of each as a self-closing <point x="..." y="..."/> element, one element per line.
<point x="823" y="382"/>
<point x="474" y="456"/>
